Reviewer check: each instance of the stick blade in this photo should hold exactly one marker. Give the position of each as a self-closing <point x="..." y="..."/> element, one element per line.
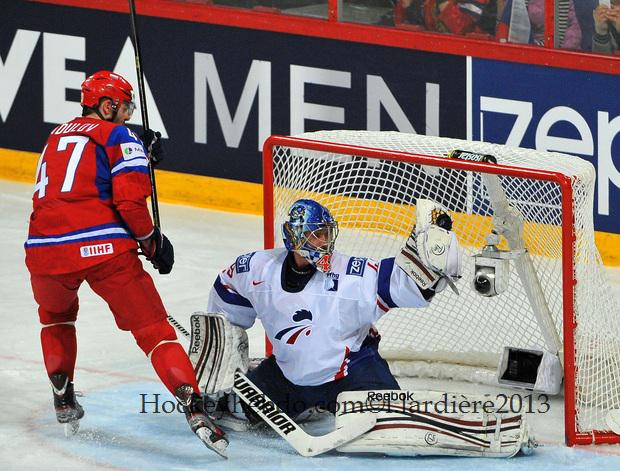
<point x="304" y="444"/>
<point x="355" y="427"/>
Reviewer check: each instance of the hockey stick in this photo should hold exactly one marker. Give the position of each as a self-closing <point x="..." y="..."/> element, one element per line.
<point x="304" y="443"/>
<point x="178" y="326"/>
<point x="287" y="428"/>
<point x="145" y="117"/>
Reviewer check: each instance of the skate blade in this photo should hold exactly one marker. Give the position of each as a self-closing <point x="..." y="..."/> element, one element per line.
<point x="71" y="428"/>
<point x="219" y="446"/>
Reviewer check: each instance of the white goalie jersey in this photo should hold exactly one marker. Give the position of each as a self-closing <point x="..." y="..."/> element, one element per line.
<point x="313" y="332"/>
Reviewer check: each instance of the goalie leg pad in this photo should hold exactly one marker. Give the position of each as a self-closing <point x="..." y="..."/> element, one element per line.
<point x="411" y="423"/>
<point x="217" y="349"/>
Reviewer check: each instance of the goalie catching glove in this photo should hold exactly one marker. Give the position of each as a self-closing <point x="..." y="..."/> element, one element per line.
<point x="431" y="255"/>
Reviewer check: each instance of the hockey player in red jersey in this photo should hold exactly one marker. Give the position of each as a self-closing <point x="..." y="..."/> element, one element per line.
<point x="89" y="217"/>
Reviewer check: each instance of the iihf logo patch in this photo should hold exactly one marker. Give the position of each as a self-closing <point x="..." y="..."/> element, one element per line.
<point x="302" y="316"/>
<point x="96" y="250"/>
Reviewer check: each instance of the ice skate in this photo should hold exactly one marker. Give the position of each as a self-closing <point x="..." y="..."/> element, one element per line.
<point x="68" y="409"/>
<point x="221" y="412"/>
<point x="209" y="433"/>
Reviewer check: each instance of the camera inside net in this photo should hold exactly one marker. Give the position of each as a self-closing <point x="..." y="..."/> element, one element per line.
<point x="492" y="271"/>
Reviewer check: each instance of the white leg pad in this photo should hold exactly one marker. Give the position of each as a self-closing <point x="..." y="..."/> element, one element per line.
<point x="217" y="349"/>
<point x="407" y="427"/>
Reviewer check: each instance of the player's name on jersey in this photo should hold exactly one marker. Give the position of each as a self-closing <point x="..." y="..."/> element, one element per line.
<point x="74" y="127"/>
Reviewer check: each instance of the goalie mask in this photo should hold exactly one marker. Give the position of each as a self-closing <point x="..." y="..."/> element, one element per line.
<point x="311" y="231"/>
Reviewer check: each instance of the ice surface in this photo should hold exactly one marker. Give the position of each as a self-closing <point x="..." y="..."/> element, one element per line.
<point x="118" y="383"/>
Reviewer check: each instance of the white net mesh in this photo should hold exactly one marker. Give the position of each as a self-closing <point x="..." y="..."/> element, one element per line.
<point x="373" y="200"/>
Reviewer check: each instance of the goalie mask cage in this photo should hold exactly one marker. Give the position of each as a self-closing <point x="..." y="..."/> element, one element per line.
<point x="370" y="181"/>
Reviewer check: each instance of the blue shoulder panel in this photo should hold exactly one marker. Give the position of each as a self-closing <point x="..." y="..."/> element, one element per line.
<point x="122" y="134"/>
<point x="228" y="296"/>
<point x="383" y="282"/>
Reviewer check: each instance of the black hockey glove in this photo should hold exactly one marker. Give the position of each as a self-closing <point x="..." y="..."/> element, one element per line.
<point x="152" y="142"/>
<point x="159" y="251"/>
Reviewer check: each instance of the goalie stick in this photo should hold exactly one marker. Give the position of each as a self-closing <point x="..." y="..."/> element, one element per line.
<point x="304" y="443"/>
<point x="287" y="428"/>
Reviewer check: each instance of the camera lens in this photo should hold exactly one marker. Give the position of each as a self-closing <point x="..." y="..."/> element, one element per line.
<point x="482" y="284"/>
<point x="484" y="281"/>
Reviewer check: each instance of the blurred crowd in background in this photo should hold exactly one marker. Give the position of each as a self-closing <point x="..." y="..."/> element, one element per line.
<point x="585" y="25"/>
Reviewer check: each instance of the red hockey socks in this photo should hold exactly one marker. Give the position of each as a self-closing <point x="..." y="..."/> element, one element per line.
<point x="59" y="345"/>
<point x="173" y="366"/>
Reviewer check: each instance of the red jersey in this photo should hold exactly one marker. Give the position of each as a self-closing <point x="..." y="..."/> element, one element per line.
<point x="89" y="198"/>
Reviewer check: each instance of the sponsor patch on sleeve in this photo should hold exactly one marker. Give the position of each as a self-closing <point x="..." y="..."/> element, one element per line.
<point x="243" y="262"/>
<point x="132" y="150"/>
<point x="356" y="266"/>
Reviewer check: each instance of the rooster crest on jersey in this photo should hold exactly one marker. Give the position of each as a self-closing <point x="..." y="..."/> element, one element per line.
<point x="308" y="220"/>
<point x="302" y="316"/>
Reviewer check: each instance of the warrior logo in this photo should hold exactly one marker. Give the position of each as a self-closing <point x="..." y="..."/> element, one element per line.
<point x="302" y="316"/>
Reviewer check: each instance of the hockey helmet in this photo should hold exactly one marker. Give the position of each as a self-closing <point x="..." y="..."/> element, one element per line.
<point x="311" y="231"/>
<point x="109" y="85"/>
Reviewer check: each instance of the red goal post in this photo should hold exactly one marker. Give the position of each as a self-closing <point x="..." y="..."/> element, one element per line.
<point x="371" y="180"/>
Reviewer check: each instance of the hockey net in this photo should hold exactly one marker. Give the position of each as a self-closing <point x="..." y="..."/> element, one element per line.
<point x="370" y="181"/>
